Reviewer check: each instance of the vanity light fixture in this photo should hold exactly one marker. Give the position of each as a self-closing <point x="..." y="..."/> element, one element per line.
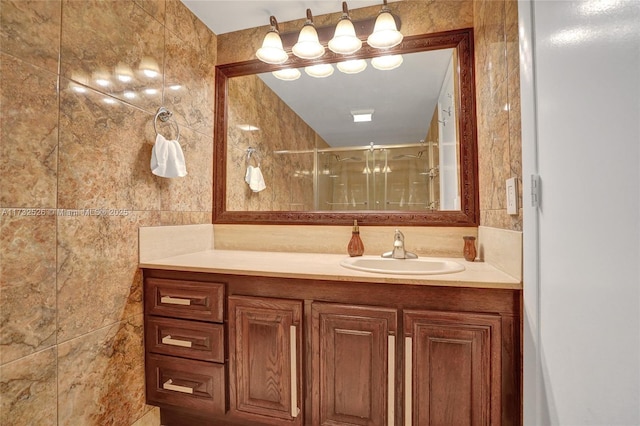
<point x="272" y="51"/>
<point x="385" y="33"/>
<point x="319" y="71"/>
<point x="387" y="62"/>
<point x="287" y="74"/>
<point x="345" y="41"/>
<point x="352" y="66"/>
<point x="308" y="45"/>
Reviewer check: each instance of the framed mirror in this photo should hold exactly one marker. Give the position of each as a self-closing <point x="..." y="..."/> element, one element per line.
<point x="414" y="163"/>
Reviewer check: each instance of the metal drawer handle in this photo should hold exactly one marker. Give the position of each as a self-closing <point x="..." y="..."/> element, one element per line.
<point x="175" y="301"/>
<point x="168" y="385"/>
<point x="167" y="340"/>
<point x="391" y="380"/>
<point x="293" y="337"/>
<point x="408" y="382"/>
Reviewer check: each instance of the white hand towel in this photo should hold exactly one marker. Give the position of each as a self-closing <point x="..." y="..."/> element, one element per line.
<point x="257" y="180"/>
<point x="167" y="159"/>
<point x="247" y="176"/>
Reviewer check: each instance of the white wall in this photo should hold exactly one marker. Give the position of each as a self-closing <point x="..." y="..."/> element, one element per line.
<point x="580" y="68"/>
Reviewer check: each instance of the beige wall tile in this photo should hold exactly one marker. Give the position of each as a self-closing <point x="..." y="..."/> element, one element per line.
<point x="27" y="284"/>
<point x="30" y="30"/>
<point x="99" y="38"/>
<point x="98" y="279"/>
<point x="105" y="150"/>
<point x="29" y="390"/>
<point x="28" y="134"/>
<point x="101" y="376"/>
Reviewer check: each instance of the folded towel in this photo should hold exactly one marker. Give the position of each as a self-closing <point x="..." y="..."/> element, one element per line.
<point x="256" y="182"/>
<point x="167" y="159"/>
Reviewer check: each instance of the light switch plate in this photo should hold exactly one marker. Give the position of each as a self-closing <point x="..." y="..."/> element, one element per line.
<point x="512" y="196"/>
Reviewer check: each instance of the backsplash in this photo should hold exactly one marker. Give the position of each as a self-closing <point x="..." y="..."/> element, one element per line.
<point x="81" y="83"/>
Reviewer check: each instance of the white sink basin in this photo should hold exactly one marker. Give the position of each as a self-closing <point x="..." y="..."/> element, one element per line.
<point x="420" y="266"/>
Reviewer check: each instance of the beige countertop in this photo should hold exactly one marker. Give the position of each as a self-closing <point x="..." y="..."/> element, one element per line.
<point x="324" y="267"/>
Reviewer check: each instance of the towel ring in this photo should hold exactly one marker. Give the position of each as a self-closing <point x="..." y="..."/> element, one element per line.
<point x="164" y="115"/>
<point x="253" y="152"/>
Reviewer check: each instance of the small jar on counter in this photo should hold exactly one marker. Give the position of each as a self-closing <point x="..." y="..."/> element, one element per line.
<point x="469" y="248"/>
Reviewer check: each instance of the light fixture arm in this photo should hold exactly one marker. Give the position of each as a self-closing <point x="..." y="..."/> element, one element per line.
<point x="309" y="17"/>
<point x="274" y="23"/>
<point x="345" y="9"/>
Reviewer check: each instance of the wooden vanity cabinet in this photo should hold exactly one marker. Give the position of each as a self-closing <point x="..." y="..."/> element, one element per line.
<point x="353" y="357"/>
<point x="265" y="337"/>
<point x="327" y="353"/>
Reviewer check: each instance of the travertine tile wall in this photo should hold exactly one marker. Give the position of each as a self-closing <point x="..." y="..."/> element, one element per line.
<point x="70" y="292"/>
<point x="498" y="109"/>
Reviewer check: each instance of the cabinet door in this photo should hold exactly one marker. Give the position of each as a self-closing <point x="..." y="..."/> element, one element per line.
<point x="353" y="365"/>
<point x="264" y="358"/>
<point x="452" y="368"/>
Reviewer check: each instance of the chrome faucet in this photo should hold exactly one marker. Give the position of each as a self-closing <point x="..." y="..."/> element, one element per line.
<point x="399" y="251"/>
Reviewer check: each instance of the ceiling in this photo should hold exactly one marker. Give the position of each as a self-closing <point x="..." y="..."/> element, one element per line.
<point x="400" y="116"/>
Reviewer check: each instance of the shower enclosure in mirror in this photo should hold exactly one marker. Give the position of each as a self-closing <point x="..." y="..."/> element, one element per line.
<point x="413" y="162"/>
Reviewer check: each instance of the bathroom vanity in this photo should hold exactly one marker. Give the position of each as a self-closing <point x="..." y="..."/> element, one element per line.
<point x="250" y="338"/>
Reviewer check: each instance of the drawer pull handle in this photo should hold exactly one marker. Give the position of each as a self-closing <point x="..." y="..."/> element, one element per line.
<point x="408" y="383"/>
<point x="391" y="379"/>
<point x="175" y="301"/>
<point x="167" y="340"/>
<point x="294" y="370"/>
<point x="168" y="385"/>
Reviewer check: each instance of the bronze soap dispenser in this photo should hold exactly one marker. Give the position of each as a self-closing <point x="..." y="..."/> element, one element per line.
<point x="355" y="247"/>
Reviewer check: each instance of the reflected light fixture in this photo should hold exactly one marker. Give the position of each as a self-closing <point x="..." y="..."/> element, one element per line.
<point x="352" y="66"/>
<point x="287" y="74"/>
<point x="386" y="63"/>
<point x="272" y="51"/>
<point x="345" y="41"/>
<point x="308" y="45"/>
<point x="149" y="67"/>
<point x="385" y="32"/>
<point x="319" y="71"/>
<point x="123" y="72"/>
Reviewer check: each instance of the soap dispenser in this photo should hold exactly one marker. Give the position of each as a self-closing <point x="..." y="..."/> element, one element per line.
<point x="355" y="247"/>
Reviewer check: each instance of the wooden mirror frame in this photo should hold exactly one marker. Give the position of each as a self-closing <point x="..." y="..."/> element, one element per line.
<point x="468" y="215"/>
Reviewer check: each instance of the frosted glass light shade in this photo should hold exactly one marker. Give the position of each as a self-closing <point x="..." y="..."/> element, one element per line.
<point x="352" y="66"/>
<point x="271" y="51"/>
<point x="308" y="45"/>
<point x="319" y="71"/>
<point x="287" y="74"/>
<point x="386" y="63"/>
<point x="385" y="33"/>
<point x="344" y="39"/>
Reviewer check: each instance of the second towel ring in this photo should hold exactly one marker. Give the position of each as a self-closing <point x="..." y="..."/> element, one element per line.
<point x="164" y="115"/>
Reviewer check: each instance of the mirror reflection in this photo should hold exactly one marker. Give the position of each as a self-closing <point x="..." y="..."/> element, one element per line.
<point x="375" y="140"/>
<point x="297" y="151"/>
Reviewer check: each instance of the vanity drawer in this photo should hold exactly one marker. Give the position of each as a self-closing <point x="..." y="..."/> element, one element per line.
<point x="184" y="299"/>
<point x="188" y="384"/>
<point x="189" y="339"/>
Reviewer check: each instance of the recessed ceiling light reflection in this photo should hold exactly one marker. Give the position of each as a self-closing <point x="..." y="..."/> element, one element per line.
<point x="287" y="74"/>
<point x="353" y="66"/>
<point x="109" y="101"/>
<point x="77" y="88"/>
<point x="175" y="87"/>
<point x="149" y="67"/>
<point x="151" y="91"/>
<point x="129" y="94"/>
<point x="386" y="63"/>
<point x="319" y="71"/>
